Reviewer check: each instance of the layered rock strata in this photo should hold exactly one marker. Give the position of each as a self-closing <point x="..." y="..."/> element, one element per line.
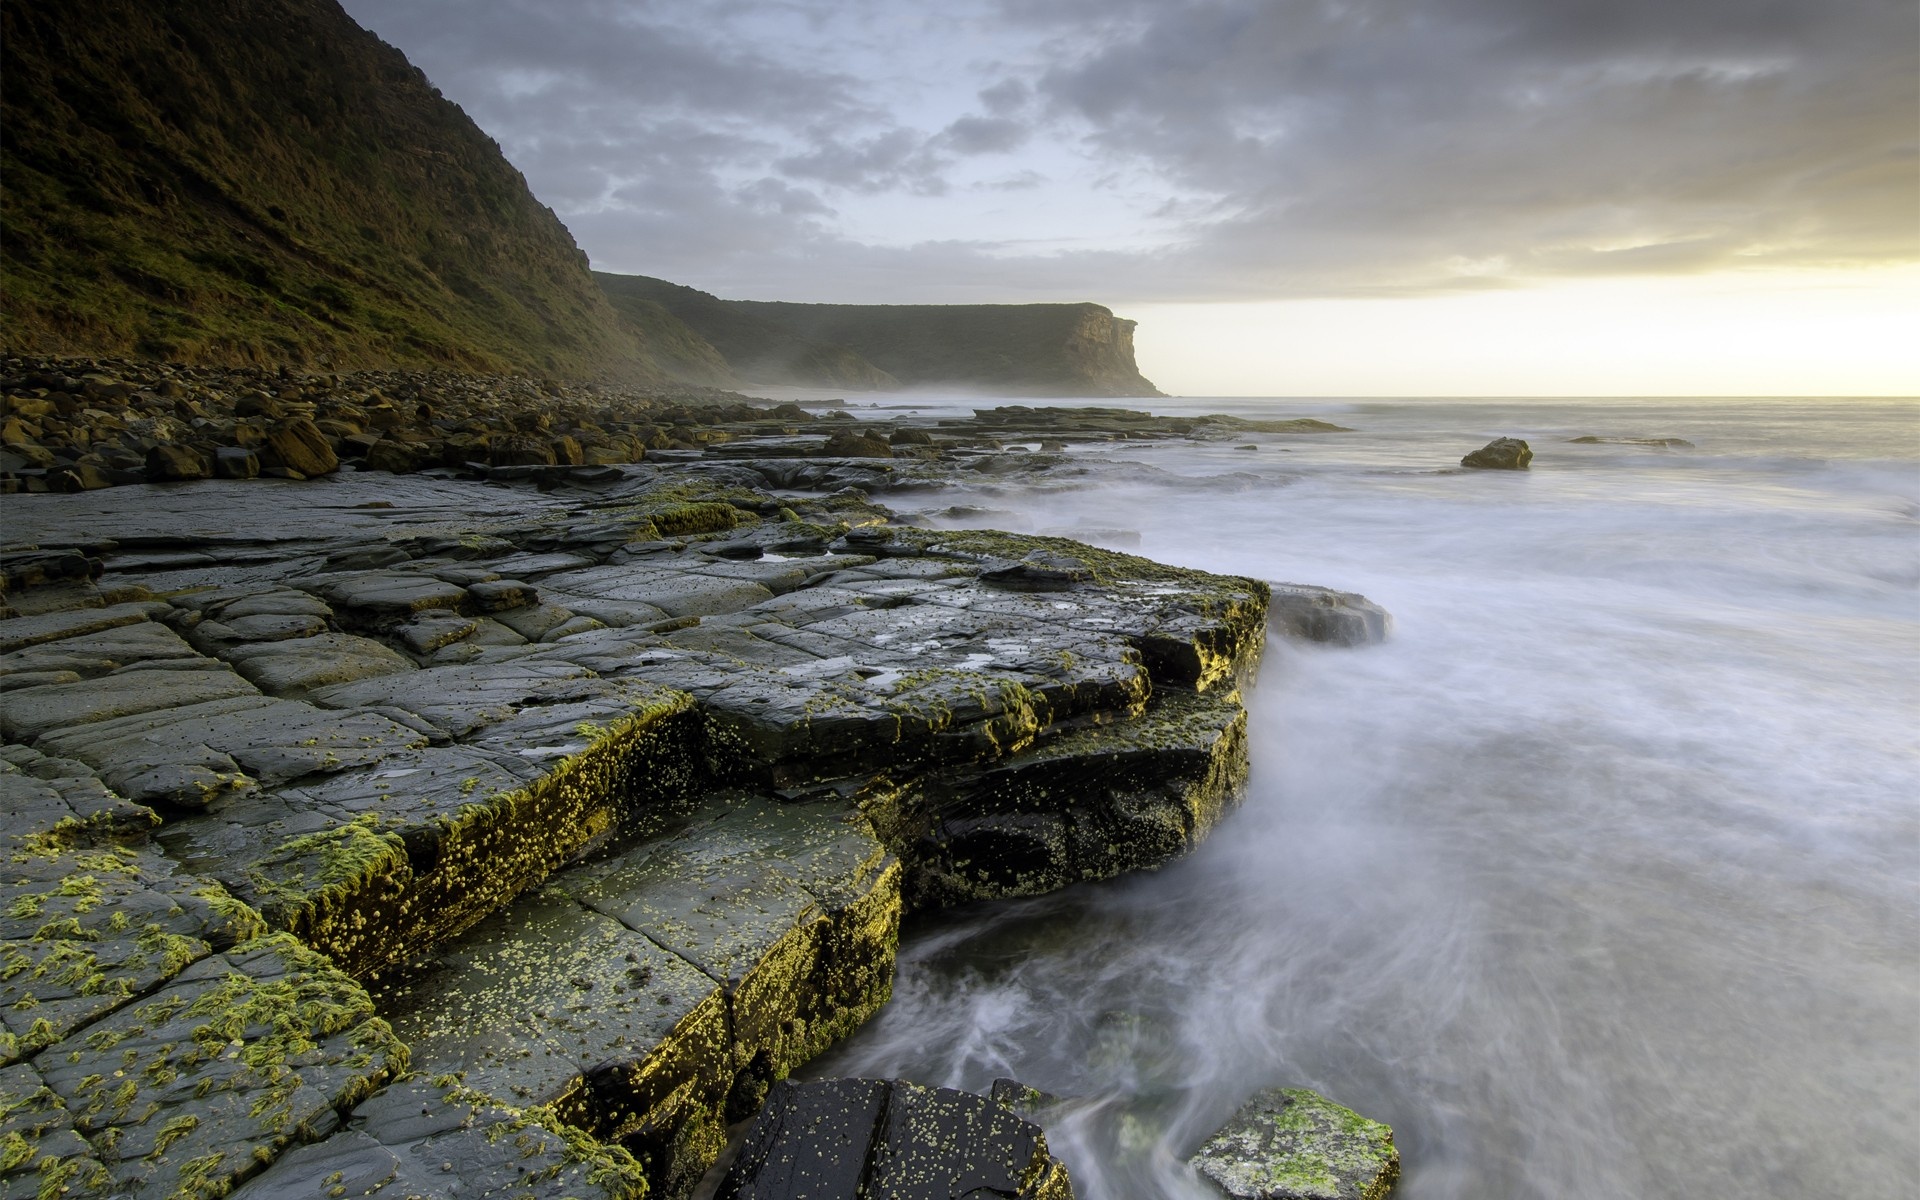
<point x="605" y="805"/>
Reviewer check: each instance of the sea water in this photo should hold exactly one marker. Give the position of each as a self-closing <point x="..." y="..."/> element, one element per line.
<point x="1599" y="878"/>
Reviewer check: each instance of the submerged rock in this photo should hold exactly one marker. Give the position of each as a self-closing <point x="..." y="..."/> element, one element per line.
<point x="1662" y="443"/>
<point x="1500" y="454"/>
<point x="1293" y="1144"/>
<point x="844" y="1139"/>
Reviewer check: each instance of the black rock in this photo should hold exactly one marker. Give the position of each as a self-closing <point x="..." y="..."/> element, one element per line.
<point x="1500" y="454"/>
<point x="848" y="1138"/>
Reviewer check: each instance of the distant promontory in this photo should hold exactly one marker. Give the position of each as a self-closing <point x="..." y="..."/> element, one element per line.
<point x="1008" y="349"/>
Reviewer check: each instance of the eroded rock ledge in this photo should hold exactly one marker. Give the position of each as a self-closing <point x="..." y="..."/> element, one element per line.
<point x="432" y="837"/>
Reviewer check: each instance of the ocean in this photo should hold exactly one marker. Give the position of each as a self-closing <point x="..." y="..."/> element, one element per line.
<point x="1599" y="878"/>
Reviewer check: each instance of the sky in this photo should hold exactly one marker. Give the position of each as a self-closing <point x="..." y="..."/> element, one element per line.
<point x="1293" y="197"/>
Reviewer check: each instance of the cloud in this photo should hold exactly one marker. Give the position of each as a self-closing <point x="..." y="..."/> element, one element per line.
<point x="1375" y="144"/>
<point x="984" y="135"/>
<point x="1223" y="148"/>
<point x="896" y="159"/>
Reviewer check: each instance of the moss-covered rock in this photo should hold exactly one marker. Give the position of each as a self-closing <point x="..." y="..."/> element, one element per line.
<point x="206" y="1080"/>
<point x="1293" y="1144"/>
<point x="652" y="996"/>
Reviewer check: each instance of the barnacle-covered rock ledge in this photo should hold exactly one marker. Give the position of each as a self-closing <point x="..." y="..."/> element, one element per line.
<point x="402" y="836"/>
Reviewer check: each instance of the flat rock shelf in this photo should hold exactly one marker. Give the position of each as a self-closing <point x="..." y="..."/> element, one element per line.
<point x="397" y="835"/>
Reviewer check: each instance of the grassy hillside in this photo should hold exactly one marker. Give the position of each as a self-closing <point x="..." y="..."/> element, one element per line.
<point x="754" y="347"/>
<point x="263" y="181"/>
<point x="678" y="350"/>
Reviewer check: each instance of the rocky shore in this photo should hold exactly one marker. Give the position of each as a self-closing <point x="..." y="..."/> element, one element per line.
<point x="421" y="836"/>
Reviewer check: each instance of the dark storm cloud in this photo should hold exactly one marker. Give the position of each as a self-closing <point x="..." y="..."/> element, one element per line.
<point x="1278" y="147"/>
<point x="1378" y="144"/>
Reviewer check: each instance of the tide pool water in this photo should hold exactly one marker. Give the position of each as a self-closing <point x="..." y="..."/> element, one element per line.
<point x="1600" y="878"/>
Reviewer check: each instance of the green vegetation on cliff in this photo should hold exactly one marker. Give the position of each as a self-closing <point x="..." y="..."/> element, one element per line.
<point x="753" y="346"/>
<point x="266" y="182"/>
<point x="1013" y="349"/>
<point x="1017" y="349"/>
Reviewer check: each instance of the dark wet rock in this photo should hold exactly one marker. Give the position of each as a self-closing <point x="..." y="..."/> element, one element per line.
<point x="487" y="721"/>
<point x="1324" y="615"/>
<point x="167" y="463"/>
<point x="48" y="797"/>
<point x="1020" y="1098"/>
<point x="23" y="569"/>
<point x="851" y="444"/>
<point x="1660" y="443"/>
<point x="27" y="713"/>
<point x="1091" y="804"/>
<point x="87" y="931"/>
<point x="44" y="1154"/>
<point x="422" y="1138"/>
<point x="235" y="462"/>
<point x="849" y="1138"/>
<point x="501" y="595"/>
<point x="654" y="995"/>
<point x="19" y="632"/>
<point x="374" y="597"/>
<point x="208" y="1079"/>
<point x="1293" y="1144"/>
<point x="397" y="457"/>
<point x="298" y="667"/>
<point x="1039" y="571"/>
<point x="1500" y="454"/>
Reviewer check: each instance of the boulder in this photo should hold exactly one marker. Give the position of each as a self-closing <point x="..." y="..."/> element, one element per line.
<point x="296" y="444"/>
<point x="1500" y="454"/>
<point x="168" y="463"/>
<point x="398" y="457"/>
<point x="236" y="462"/>
<point x="848" y="444"/>
<point x="1293" y="1144"/>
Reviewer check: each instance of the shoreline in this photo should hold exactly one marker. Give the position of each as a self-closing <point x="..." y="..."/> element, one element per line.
<point x="894" y="751"/>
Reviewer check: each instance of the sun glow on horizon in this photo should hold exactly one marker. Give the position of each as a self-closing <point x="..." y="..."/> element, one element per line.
<point x="1832" y="333"/>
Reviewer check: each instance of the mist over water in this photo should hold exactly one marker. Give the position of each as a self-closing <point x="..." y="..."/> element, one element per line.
<point x="1600" y="878"/>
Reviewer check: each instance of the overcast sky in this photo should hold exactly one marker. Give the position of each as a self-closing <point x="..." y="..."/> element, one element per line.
<point x="1165" y="152"/>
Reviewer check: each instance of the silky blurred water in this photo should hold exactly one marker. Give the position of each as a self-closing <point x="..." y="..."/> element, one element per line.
<point x="1601" y="878"/>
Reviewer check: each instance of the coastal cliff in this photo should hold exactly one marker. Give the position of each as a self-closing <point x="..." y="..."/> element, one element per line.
<point x="1005" y="349"/>
<point x="747" y="345"/>
<point x="1008" y="349"/>
<point x="267" y="182"/>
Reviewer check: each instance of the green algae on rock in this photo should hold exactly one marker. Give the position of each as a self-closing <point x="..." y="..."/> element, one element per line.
<point x="511" y="806"/>
<point x="651" y="996"/>
<point x="1294" y="1144"/>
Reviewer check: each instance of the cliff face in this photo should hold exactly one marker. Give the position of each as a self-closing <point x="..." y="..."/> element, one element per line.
<point x="1010" y="349"/>
<point x="754" y="347"/>
<point x="234" y="181"/>
<point x="1014" y="349"/>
